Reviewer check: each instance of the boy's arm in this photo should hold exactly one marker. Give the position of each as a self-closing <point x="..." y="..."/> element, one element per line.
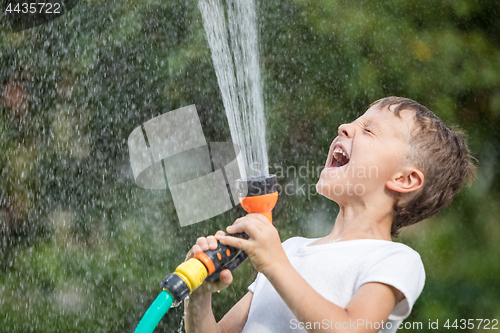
<point x="236" y="318"/>
<point x="199" y="316"/>
<point x="369" y="307"/>
<point x="372" y="303"/>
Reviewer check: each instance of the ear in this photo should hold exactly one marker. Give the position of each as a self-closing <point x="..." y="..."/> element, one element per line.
<point x="409" y="180"/>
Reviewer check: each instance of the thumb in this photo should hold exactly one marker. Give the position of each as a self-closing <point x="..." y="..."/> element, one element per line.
<point x="226" y="277"/>
<point x="225" y="280"/>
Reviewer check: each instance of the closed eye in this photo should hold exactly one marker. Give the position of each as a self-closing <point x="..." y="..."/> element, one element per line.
<point x="367" y="130"/>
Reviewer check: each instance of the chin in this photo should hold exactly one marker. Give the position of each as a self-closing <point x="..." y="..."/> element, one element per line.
<point x="325" y="186"/>
<point x="334" y="185"/>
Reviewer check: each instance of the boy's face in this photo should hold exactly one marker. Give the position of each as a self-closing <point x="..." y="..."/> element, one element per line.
<point x="365" y="155"/>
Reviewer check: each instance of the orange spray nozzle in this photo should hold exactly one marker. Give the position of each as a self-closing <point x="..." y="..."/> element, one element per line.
<point x="262" y="204"/>
<point x="258" y="195"/>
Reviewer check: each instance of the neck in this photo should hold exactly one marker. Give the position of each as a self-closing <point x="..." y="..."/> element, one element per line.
<point x="362" y="222"/>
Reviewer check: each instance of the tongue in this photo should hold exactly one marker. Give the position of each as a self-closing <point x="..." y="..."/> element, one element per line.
<point x="339" y="161"/>
<point x="343" y="160"/>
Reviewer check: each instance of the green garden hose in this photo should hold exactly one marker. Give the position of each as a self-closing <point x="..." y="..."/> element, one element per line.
<point x="156" y="311"/>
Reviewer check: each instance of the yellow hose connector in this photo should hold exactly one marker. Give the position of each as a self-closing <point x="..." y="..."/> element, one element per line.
<point x="192" y="272"/>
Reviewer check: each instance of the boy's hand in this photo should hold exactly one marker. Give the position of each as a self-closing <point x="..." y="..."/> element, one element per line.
<point x="263" y="247"/>
<point x="204" y="244"/>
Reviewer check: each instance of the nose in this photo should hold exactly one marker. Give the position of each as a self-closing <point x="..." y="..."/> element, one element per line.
<point x="346" y="130"/>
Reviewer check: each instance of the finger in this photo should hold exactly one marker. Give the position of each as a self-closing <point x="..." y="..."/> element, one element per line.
<point x="196" y="249"/>
<point x="219" y="233"/>
<point x="250" y="227"/>
<point x="236" y="227"/>
<point x="202" y="242"/>
<point x="192" y="252"/>
<point x="240" y="220"/>
<point x="212" y="242"/>
<point x="236" y="242"/>
<point x="257" y="222"/>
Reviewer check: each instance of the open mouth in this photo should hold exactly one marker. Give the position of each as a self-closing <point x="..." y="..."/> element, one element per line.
<point x="339" y="157"/>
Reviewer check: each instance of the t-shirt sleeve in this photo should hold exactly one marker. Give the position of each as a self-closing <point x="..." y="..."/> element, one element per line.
<point x="403" y="269"/>
<point x="254" y="284"/>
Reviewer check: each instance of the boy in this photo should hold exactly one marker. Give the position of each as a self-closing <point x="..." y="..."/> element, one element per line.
<point x="394" y="166"/>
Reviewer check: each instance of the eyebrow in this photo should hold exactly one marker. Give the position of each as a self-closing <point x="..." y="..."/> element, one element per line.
<point x="373" y="124"/>
<point x="365" y="122"/>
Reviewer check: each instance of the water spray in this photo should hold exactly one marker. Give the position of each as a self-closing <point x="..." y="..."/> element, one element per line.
<point x="237" y="68"/>
<point x="256" y="195"/>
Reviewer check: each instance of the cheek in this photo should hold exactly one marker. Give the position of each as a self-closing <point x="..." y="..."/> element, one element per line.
<point x="376" y="167"/>
<point x="369" y="163"/>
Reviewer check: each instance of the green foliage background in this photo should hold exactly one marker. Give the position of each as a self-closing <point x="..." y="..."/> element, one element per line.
<point x="83" y="249"/>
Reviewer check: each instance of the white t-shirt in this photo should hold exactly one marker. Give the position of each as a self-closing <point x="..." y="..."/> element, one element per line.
<point x="336" y="271"/>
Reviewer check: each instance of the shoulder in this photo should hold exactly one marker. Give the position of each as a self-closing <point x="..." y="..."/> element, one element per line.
<point x="404" y="252"/>
<point x="400" y="267"/>
<point x="390" y="260"/>
<point x="395" y="259"/>
<point x="387" y="249"/>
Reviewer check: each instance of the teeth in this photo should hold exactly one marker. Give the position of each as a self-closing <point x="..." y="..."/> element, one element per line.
<point x="339" y="150"/>
<point x="336" y="156"/>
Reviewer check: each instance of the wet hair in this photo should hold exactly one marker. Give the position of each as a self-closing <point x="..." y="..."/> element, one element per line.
<point x="440" y="153"/>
